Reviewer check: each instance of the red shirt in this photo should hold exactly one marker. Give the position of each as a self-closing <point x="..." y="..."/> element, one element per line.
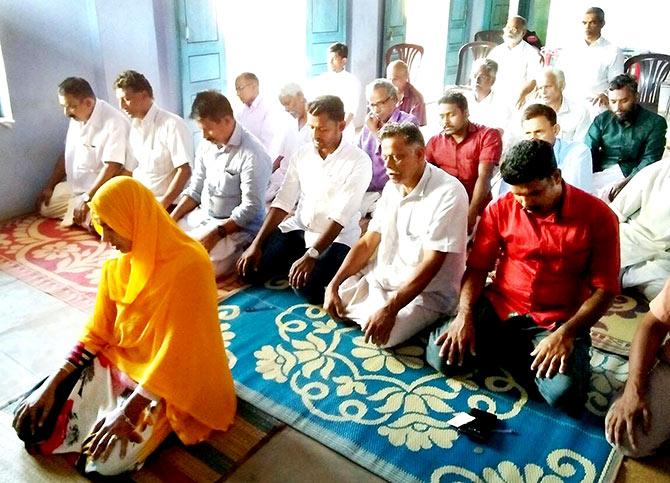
<point x="547" y="267"/>
<point x="481" y="145"/>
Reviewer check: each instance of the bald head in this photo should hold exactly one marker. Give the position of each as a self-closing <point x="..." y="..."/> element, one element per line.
<point x="398" y="73"/>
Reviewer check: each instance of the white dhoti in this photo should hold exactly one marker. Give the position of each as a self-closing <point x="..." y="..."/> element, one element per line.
<point x="362" y="297"/>
<point x="227" y="251"/>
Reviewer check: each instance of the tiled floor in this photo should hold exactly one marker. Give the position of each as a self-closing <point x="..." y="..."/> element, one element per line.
<point x="37" y="330"/>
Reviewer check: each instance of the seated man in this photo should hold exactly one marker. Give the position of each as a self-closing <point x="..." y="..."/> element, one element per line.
<point x="410" y="99"/>
<point x="382" y="100"/>
<point x="160" y="142"/>
<point x="406" y="270"/>
<point x="572" y="117"/>
<point x="518" y="63"/>
<point x="95" y="151"/>
<point x="644" y="212"/>
<point x="637" y="424"/>
<point x="328" y="179"/>
<point x="573" y="159"/>
<point x="484" y="105"/>
<point x="590" y="63"/>
<point x="555" y="250"/>
<point x="293" y="99"/>
<point x="468" y="151"/>
<point x="222" y="206"/>
<point x="624" y="139"/>
<point x="337" y="81"/>
<point x="275" y="129"/>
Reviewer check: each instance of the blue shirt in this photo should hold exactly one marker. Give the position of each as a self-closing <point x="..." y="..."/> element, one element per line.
<point x="230" y="181"/>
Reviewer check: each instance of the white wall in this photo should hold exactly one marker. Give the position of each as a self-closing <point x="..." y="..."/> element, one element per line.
<point x="641" y="25"/>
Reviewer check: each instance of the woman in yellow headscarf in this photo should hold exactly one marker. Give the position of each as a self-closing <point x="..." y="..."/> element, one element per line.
<point x="151" y="359"/>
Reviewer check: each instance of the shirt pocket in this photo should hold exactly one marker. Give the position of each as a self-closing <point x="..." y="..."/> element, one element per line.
<point x="86" y="158"/>
<point x="158" y="159"/>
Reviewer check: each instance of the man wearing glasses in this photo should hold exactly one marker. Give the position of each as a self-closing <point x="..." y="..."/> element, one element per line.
<point x="382" y="98"/>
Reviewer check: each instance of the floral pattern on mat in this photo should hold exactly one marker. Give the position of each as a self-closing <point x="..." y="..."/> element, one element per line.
<point x="614" y="332"/>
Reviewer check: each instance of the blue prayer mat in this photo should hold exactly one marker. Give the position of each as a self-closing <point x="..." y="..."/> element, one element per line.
<point x="387" y="410"/>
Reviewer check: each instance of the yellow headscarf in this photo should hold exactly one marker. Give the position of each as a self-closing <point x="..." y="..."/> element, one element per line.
<point x="156" y="312"/>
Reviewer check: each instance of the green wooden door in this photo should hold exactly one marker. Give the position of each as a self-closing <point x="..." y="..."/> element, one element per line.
<point x="395" y="25"/>
<point x="201" y="50"/>
<point x="457" y="36"/>
<point x="537" y="14"/>
<point x="495" y="14"/>
<point x="326" y="24"/>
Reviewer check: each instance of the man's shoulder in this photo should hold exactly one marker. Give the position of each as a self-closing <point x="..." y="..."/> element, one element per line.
<point x="108" y="114"/>
<point x="250" y="144"/>
<point x="651" y="117"/>
<point x="443" y="182"/>
<point x="349" y="151"/>
<point x="588" y="207"/>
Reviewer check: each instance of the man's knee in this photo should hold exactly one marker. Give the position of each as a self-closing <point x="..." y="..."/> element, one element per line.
<point x="563" y="391"/>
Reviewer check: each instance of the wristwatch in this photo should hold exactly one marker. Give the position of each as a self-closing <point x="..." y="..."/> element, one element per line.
<point x="312" y="252"/>
<point x="86" y="197"/>
<point x="221" y="230"/>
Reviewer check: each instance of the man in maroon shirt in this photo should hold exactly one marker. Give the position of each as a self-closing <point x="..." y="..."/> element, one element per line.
<point x="555" y="250"/>
<point x="410" y="99"/>
<point x="466" y="150"/>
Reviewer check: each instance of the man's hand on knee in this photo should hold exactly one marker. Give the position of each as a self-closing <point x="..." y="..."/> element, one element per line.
<point x="300" y="271"/>
<point x="458" y="339"/>
<point x="551" y="354"/>
<point x="332" y="302"/>
<point x="379" y="326"/>
<point x="627" y="413"/>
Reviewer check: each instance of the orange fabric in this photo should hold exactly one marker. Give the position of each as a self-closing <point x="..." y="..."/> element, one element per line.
<point x="156" y="315"/>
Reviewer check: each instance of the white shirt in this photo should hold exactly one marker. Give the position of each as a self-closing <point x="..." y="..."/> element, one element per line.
<point x="342" y="84"/>
<point x="433" y="216"/>
<point x="516" y="66"/>
<point x="589" y="68"/>
<point x="574" y="120"/>
<point x="490" y="111"/>
<point x="326" y="190"/>
<point x="159" y="143"/>
<point x="88" y="145"/>
<point x="275" y="128"/>
<point x="644" y="212"/>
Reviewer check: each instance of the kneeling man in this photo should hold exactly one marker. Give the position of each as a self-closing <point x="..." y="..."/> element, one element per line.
<point x="406" y="270"/>
<point x="327" y="179"/>
<point x="555" y="250"/>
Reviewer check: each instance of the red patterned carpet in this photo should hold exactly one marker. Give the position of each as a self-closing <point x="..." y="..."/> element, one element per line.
<point x="63" y="262"/>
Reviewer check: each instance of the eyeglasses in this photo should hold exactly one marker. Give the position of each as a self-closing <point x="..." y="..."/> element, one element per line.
<point x="379" y="103"/>
<point x="241" y="88"/>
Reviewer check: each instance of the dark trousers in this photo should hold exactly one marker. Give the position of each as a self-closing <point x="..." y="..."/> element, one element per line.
<point x="281" y="250"/>
<point x="508" y="343"/>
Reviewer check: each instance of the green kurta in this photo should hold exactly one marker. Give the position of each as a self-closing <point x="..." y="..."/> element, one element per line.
<point x="632" y="144"/>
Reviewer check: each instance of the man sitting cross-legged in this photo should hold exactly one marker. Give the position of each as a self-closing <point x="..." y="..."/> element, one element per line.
<point x="406" y="270"/>
<point x="556" y="254"/>
<point x="328" y="179"/>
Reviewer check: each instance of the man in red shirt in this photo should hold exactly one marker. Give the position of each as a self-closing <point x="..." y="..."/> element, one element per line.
<point x="555" y="250"/>
<point x="466" y="150"/>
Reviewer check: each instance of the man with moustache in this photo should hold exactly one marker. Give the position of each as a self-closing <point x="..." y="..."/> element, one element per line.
<point x="466" y="150"/>
<point x="327" y="179"/>
<point x="555" y="251"/>
<point x="222" y="206"/>
<point x="161" y="145"/>
<point x="382" y="98"/>
<point x="518" y="63"/>
<point x="405" y="271"/>
<point x="95" y="151"/>
<point x="624" y="139"/>
<point x="485" y="106"/>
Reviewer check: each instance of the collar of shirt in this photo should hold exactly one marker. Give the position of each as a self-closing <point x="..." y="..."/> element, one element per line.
<point x="234" y="141"/>
<point x="472" y="128"/>
<point x="567" y="208"/>
<point x="254" y="104"/>
<point x="95" y="120"/>
<point x="599" y="42"/>
<point x="333" y="155"/>
<point x="419" y="190"/>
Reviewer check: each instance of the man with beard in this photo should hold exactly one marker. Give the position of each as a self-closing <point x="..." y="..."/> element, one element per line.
<point x="624" y="139"/>
<point x="466" y="150"/>
<point x="518" y="63"/>
<point x="95" y="151"/>
<point x="485" y="105"/>
<point x="223" y="204"/>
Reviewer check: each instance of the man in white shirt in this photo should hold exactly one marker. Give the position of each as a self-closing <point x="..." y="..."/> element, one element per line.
<point x="518" y="63"/>
<point x="338" y="82"/>
<point x="275" y="129"/>
<point x="95" y="151"/>
<point x="484" y="105"/>
<point x="572" y="158"/>
<point x="328" y="180"/>
<point x="644" y="214"/>
<point x="222" y="206"/>
<point x="591" y="63"/>
<point x="161" y="145"/>
<point x="406" y="270"/>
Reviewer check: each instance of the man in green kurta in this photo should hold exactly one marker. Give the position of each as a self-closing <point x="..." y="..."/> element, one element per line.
<point x="624" y="139"/>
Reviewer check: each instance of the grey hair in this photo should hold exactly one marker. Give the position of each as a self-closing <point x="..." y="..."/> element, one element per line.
<point x="489" y="64"/>
<point x="557" y="73"/>
<point x="598" y="12"/>
<point x="385" y="84"/>
<point x="522" y="21"/>
<point x="289" y="90"/>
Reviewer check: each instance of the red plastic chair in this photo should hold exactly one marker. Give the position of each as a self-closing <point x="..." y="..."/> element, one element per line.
<point x="408" y="53"/>
<point x="467" y="55"/>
